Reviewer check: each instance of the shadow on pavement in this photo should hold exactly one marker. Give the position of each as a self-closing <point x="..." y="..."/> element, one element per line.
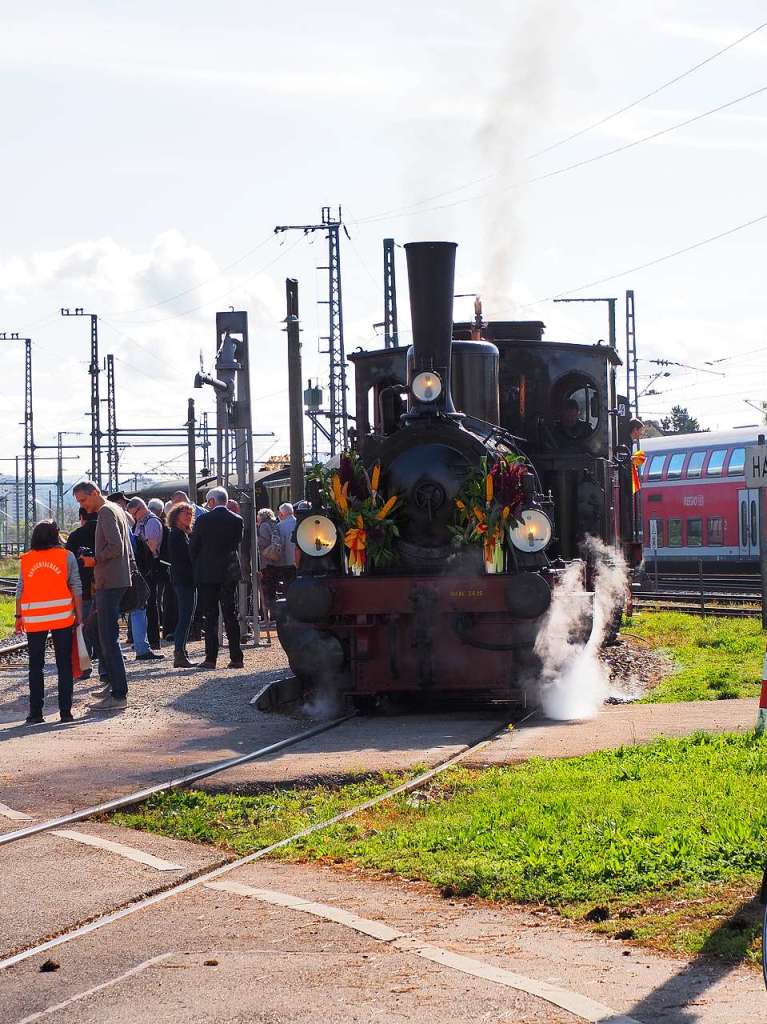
<point x="675" y="1001"/>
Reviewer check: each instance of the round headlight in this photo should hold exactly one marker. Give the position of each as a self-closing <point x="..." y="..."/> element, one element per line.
<point x="533" y="533"/>
<point x="316" y="535"/>
<point x="426" y="386"/>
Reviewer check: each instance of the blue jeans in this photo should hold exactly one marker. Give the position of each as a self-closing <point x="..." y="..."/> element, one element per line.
<point x="108" y="617"/>
<point x="186" y="599"/>
<point x="90" y="629"/>
<point x="138" y="625"/>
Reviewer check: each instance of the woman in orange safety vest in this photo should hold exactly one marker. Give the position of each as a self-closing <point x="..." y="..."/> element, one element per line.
<point x="48" y="600"/>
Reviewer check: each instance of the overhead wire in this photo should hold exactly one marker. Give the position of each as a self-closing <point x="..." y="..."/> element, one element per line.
<point x="650" y="263"/>
<point x="580" y="163"/>
<point x="649" y="95"/>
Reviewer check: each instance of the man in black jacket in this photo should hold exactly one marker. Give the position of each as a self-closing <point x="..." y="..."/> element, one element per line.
<point x="215" y="539"/>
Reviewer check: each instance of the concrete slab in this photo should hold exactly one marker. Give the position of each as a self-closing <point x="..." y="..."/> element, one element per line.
<point x="52" y="884"/>
<point x="616" y="726"/>
<point x="227" y="957"/>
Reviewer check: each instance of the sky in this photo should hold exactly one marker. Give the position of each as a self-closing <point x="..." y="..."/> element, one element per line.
<point x="150" y="150"/>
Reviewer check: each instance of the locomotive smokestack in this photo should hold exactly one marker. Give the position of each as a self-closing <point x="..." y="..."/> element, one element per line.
<point x="431" y="273"/>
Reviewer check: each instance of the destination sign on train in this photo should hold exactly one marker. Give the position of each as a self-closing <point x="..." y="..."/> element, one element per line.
<point x="756" y="466"/>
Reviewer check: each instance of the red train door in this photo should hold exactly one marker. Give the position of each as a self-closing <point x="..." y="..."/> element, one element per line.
<point x="748" y="523"/>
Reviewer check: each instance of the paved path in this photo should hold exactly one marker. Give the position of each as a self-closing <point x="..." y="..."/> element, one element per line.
<point x="257" y="948"/>
<point x="616" y="726"/>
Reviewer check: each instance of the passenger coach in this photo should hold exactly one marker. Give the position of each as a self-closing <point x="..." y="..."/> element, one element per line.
<point x="695" y="502"/>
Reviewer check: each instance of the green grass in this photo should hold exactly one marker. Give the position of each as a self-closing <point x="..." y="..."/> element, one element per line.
<point x="677" y="827"/>
<point x="715" y="659"/>
<point x="7" y="612"/>
<point x="9" y="566"/>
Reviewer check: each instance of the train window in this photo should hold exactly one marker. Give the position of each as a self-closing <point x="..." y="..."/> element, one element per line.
<point x="675" y="464"/>
<point x="675" y="533"/>
<point x="715" y="530"/>
<point x="716" y="462"/>
<point x="737" y="461"/>
<point x="744" y="524"/>
<point x="695" y="465"/>
<point x="694" y="533"/>
<point x="754" y="521"/>
<point x="655" y="471"/>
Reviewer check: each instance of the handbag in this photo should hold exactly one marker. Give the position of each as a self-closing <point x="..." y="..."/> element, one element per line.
<point x="137" y="594"/>
<point x="273" y="553"/>
<point x="81" y="659"/>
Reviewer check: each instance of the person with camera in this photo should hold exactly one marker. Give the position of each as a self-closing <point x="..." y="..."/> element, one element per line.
<point x="112" y="567"/>
<point x="82" y="543"/>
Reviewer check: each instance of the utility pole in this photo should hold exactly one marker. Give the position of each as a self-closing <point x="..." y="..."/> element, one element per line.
<point x="112" y="454"/>
<point x="29" y="437"/>
<point x="95" y="413"/>
<point x="18" y="501"/>
<point x="339" y="419"/>
<point x="206" y="442"/>
<point x="313" y="404"/>
<point x="295" y="404"/>
<point x="60" y="478"/>
<point x="191" y="453"/>
<point x="391" y="330"/>
<point x="632" y="386"/>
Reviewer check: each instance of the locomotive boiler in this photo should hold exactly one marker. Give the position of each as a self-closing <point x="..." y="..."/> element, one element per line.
<point x="428" y="558"/>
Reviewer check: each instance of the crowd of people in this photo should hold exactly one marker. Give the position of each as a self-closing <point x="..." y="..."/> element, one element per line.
<point x="167" y="568"/>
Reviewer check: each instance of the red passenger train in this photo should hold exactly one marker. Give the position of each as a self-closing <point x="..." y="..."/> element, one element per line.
<point x="695" y="502"/>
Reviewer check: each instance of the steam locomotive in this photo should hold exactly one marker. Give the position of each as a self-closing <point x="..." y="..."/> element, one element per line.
<point x="432" y="419"/>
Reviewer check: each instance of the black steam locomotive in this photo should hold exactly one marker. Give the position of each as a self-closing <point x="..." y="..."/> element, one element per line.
<point x="434" y="421"/>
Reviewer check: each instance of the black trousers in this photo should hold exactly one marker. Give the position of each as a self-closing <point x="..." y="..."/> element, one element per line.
<point x="152" y="610"/>
<point x="210" y="596"/>
<point x="62" y="646"/>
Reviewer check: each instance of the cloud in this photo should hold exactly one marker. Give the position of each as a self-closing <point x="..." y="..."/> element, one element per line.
<point x="156" y="351"/>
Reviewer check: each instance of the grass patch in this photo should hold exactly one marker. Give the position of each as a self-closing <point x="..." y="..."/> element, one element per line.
<point x="9" y="566"/>
<point x="7" y="613"/>
<point x="671" y="831"/>
<point x="716" y="659"/>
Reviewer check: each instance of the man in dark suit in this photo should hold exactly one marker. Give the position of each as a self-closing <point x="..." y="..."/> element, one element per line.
<point x="215" y="539"/>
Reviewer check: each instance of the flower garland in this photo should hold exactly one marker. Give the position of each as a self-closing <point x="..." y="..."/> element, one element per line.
<point x="489" y="501"/>
<point x="355" y="502"/>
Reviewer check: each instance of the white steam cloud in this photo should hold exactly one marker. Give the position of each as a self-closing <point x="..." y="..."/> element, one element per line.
<point x="574" y="682"/>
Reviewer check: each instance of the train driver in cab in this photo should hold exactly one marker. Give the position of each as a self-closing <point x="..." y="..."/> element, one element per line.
<point x="571" y="426"/>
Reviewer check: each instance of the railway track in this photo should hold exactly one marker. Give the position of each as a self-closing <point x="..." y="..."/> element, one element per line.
<point x="724" y="606"/>
<point x="12" y="646"/>
<point x="194" y="880"/>
<point x="8" y="585"/>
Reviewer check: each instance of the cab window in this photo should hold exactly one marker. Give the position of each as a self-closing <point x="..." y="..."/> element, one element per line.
<point x="695" y="465"/>
<point x="656" y="467"/>
<point x="675" y="464"/>
<point x="716" y="462"/>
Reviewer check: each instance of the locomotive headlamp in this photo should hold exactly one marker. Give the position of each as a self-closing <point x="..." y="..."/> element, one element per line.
<point x="316" y="535"/>
<point x="426" y="386"/>
<point x="533" y="533"/>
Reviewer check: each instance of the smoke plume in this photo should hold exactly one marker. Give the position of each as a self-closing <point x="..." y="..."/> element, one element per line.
<point x="574" y="682"/>
<point x="519" y="106"/>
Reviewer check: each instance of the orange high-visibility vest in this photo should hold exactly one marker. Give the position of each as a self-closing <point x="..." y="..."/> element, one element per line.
<point x="46" y="600"/>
